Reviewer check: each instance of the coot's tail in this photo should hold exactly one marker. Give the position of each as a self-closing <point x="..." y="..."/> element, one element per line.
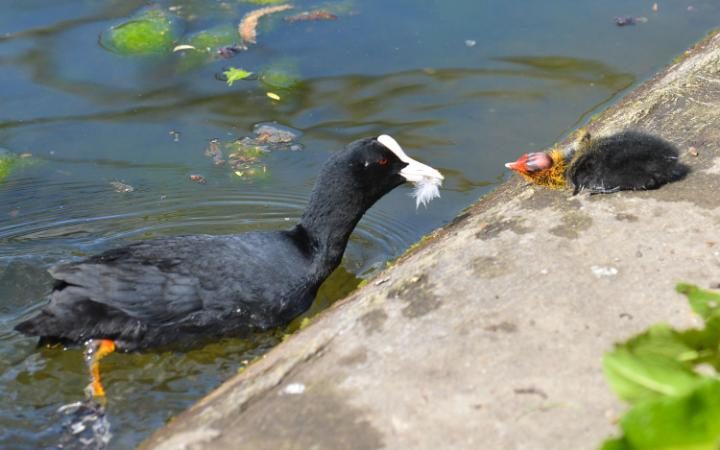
<point x="40" y="325"/>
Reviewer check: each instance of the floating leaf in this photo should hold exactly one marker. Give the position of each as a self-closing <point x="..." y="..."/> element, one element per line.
<point x="148" y="32"/>
<point x="233" y="74"/>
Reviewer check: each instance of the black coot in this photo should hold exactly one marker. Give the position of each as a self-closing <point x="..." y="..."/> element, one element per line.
<point x="179" y="290"/>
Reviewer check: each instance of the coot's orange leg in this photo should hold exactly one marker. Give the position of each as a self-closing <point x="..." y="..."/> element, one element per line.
<point x="95" y="350"/>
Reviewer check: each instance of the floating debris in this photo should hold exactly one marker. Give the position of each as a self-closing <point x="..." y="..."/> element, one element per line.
<point x="274" y="134"/>
<point x="627" y="20"/>
<point x="318" y="14"/>
<point x="655" y="7"/>
<point x="179" y="48"/>
<point x="470" y="43"/>
<point x="245" y="155"/>
<point x="121" y="187"/>
<point x="213" y="151"/>
<point x="229" y="51"/>
<point x="273" y="96"/>
<point x="248" y="25"/>
<point x="245" y="158"/>
<point x="175" y="135"/>
<point x="197" y="178"/>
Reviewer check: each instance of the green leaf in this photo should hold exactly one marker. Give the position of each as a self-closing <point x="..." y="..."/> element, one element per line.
<point x="234" y="75"/>
<point x="655" y="363"/>
<point x="705" y="342"/>
<point x="616" y="444"/>
<point x="688" y="422"/>
<point x="148" y="32"/>
<point x="706" y="304"/>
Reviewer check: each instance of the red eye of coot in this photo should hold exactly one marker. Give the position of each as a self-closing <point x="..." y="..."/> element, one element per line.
<point x="383" y="162"/>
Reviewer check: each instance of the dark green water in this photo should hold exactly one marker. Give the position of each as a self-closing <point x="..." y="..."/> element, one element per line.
<point x="91" y="117"/>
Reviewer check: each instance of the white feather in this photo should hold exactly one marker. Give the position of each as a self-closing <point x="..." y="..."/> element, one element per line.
<point x="426" y="190"/>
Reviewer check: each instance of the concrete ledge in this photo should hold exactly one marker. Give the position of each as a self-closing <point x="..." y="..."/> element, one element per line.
<point x="491" y="335"/>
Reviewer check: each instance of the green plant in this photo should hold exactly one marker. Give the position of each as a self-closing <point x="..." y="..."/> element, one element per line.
<point x="670" y="379"/>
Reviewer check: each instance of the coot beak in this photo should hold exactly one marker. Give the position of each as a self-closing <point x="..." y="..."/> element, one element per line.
<point x="427" y="180"/>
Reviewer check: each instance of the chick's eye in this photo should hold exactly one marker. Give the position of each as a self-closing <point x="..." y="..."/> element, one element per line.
<point x="383" y="161"/>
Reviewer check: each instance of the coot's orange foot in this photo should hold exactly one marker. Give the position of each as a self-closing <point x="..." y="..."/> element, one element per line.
<point x="95" y="350"/>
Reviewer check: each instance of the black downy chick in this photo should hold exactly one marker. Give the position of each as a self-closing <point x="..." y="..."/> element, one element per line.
<point x="629" y="160"/>
<point x="177" y="291"/>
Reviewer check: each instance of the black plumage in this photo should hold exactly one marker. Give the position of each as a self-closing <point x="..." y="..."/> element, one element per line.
<point x="629" y="160"/>
<point x="179" y="290"/>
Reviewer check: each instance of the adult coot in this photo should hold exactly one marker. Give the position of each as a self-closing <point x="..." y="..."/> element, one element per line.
<point x="629" y="160"/>
<point x="183" y="289"/>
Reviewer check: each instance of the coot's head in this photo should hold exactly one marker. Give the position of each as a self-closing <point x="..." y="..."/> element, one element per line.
<point x="379" y="164"/>
<point x="530" y="163"/>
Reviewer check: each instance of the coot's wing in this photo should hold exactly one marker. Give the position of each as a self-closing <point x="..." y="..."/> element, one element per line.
<point x="165" y="280"/>
<point x="142" y="292"/>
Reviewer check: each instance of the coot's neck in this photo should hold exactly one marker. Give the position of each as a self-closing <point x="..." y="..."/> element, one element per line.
<point x="335" y="207"/>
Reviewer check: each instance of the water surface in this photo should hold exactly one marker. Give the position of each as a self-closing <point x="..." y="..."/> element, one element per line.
<point x="91" y="117"/>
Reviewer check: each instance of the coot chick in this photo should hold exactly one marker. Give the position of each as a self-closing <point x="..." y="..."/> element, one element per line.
<point x="629" y="160"/>
<point x="180" y="290"/>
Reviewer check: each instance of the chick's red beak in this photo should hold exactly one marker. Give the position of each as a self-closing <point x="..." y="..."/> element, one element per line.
<point x="520" y="165"/>
<point x="531" y="162"/>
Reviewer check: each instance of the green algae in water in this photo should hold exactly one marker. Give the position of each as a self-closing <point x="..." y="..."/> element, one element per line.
<point x="6" y="163"/>
<point x="148" y="32"/>
<point x="9" y="162"/>
<point x="209" y="40"/>
<point x="281" y="76"/>
<point x="205" y="43"/>
<point x="246" y="160"/>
